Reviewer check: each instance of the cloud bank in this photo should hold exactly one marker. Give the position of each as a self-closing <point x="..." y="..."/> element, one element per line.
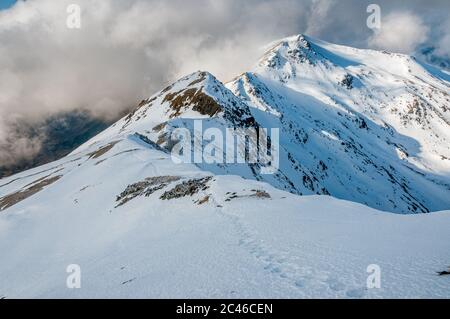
<point x="400" y="32"/>
<point x="128" y="49"/>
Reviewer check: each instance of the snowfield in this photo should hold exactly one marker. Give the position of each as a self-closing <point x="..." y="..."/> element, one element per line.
<point x="235" y="245"/>
<point x="140" y="226"/>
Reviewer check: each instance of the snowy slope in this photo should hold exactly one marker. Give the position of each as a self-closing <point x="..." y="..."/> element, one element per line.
<point x="247" y="239"/>
<point x="361" y="125"/>
<point x="140" y="225"/>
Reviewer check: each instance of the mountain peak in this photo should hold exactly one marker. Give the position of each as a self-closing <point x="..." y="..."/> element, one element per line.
<point x="197" y="78"/>
<point x="291" y="50"/>
<point x="298" y="40"/>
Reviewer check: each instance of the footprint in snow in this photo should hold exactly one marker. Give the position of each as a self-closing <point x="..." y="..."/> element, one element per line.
<point x="335" y="284"/>
<point x="128" y="281"/>
<point x="356" y="293"/>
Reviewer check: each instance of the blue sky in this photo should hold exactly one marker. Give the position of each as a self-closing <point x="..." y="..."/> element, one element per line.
<point x="4" y="4"/>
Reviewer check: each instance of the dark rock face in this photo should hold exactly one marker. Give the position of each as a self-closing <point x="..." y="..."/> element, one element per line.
<point x="29" y="190"/>
<point x="187" y="188"/>
<point x="102" y="150"/>
<point x="152" y="184"/>
<point x="145" y="188"/>
<point x="146" y="140"/>
<point x="347" y="82"/>
<point x="200" y="102"/>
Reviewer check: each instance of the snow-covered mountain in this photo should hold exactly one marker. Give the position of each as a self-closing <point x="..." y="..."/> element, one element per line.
<point x="366" y="126"/>
<point x="362" y="126"/>
<point x="430" y="55"/>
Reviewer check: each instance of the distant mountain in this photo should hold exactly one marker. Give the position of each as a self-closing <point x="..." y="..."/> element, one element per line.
<point x="363" y="126"/>
<point x="59" y="135"/>
<point x="428" y="54"/>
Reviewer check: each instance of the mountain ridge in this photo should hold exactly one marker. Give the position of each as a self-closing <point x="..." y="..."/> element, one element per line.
<point x="342" y="113"/>
<point x="361" y="125"/>
<point x="139" y="224"/>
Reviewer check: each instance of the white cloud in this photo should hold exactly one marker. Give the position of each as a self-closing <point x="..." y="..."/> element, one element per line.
<point x="128" y="49"/>
<point x="319" y="16"/>
<point x="125" y="51"/>
<point x="443" y="46"/>
<point x="400" y="32"/>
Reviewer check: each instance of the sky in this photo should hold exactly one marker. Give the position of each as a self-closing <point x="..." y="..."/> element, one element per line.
<point x="4" y="4"/>
<point x="126" y="50"/>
